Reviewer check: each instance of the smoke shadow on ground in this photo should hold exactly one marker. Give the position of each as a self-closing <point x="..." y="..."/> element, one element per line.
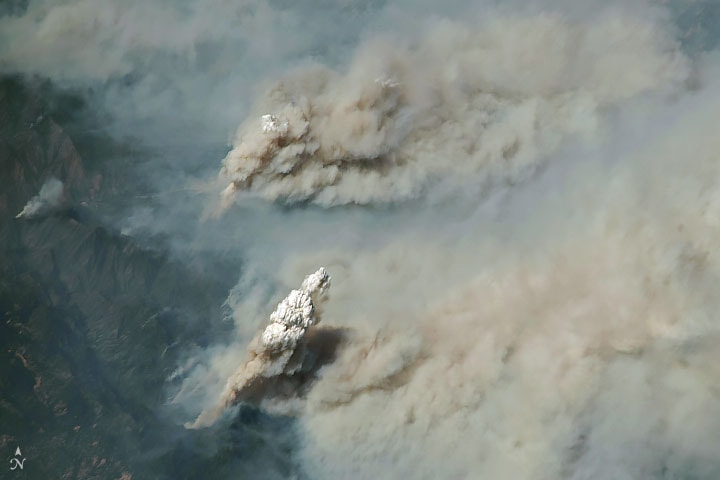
<point x="254" y="444"/>
<point x="321" y="348"/>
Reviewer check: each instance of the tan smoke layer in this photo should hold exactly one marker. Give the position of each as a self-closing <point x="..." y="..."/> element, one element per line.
<point x="481" y="103"/>
<point x="583" y="346"/>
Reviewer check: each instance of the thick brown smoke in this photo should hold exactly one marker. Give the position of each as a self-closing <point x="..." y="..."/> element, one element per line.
<point x="577" y="343"/>
<point x="486" y="103"/>
<point x="581" y="348"/>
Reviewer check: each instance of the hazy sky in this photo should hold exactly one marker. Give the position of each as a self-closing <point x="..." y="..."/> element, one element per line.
<point x="517" y="202"/>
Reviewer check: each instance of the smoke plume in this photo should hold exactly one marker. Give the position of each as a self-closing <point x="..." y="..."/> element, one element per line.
<point x="479" y="104"/>
<point x="280" y="349"/>
<point x="50" y="197"/>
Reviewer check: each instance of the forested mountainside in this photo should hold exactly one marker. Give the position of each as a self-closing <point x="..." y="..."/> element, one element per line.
<point x="92" y="323"/>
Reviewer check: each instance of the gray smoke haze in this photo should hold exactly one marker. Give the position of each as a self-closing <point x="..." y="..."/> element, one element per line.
<point x="173" y="74"/>
<point x="541" y="306"/>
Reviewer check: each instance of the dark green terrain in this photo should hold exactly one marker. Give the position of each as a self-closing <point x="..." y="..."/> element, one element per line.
<point x="92" y="323"/>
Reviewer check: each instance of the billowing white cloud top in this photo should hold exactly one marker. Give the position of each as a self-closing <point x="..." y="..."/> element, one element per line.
<point x="272" y="351"/>
<point x="295" y="314"/>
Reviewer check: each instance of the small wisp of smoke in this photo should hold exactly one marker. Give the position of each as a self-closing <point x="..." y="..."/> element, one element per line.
<point x="48" y="199"/>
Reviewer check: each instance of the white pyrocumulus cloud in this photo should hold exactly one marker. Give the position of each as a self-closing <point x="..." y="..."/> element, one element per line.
<point x="280" y="349"/>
